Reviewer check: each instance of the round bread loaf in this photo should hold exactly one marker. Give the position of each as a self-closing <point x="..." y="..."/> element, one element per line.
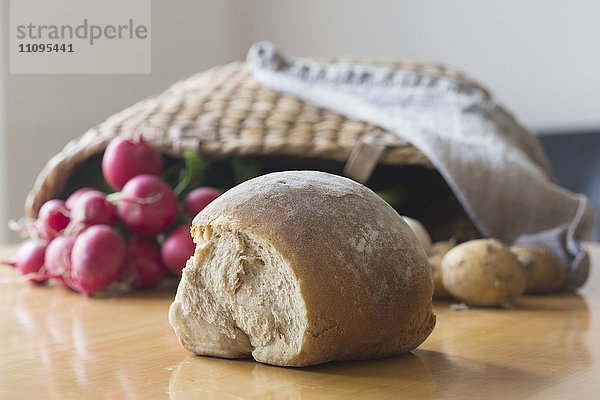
<point x="299" y="268"/>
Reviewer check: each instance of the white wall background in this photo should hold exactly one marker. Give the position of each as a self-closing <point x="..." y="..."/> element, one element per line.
<point x="541" y="58"/>
<point x="3" y="134"/>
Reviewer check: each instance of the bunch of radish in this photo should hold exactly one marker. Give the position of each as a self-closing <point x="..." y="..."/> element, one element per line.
<point x="135" y="237"/>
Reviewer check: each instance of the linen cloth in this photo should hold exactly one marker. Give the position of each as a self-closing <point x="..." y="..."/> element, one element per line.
<point x="496" y="168"/>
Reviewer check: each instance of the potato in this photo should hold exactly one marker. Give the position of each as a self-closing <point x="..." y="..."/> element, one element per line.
<point x="546" y="272"/>
<point x="437" y="252"/>
<point x="420" y="232"/>
<point x="483" y="272"/>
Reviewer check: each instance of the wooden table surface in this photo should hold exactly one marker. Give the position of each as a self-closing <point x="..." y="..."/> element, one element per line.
<point x="56" y="344"/>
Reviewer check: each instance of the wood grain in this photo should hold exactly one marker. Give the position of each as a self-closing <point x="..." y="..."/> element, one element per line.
<point x="57" y="344"/>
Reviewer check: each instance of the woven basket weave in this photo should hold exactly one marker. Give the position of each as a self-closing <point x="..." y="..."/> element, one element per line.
<point x="225" y="112"/>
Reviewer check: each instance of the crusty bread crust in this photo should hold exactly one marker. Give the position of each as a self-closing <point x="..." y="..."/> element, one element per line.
<point x="365" y="284"/>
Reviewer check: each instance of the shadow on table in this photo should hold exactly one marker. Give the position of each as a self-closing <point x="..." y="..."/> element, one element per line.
<point x="207" y="377"/>
<point x="462" y="377"/>
<point x="422" y="374"/>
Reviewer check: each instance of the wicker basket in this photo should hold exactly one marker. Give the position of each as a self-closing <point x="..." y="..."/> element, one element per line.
<point x="225" y="112"/>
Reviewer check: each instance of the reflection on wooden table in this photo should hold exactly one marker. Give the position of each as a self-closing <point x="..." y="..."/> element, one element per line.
<point x="57" y="344"/>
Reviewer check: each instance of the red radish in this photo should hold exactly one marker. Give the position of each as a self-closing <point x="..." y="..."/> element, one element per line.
<point x="58" y="259"/>
<point x="52" y="219"/>
<point x="125" y="158"/>
<point x="98" y="258"/>
<point x="177" y="248"/>
<point x="197" y="199"/>
<point x="92" y="208"/>
<point x="144" y="265"/>
<point x="70" y="202"/>
<point x="30" y="259"/>
<point x="147" y="205"/>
